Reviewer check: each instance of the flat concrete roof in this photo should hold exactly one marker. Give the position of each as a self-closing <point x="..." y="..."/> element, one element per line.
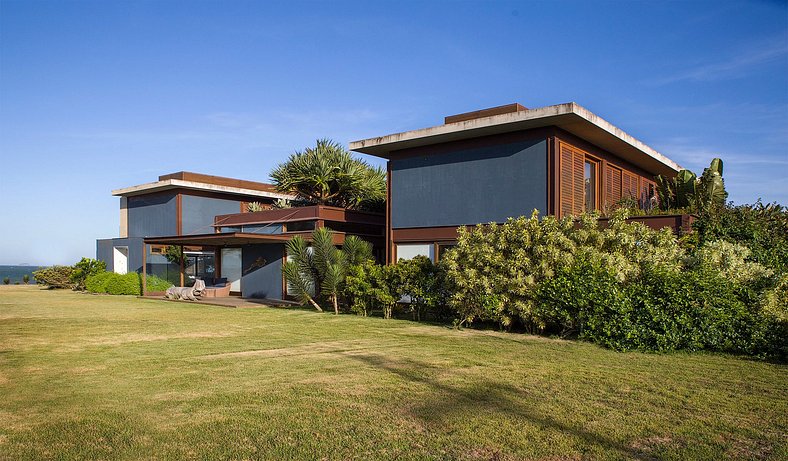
<point x="570" y="117"/>
<point x="233" y="238"/>
<point x="168" y="184"/>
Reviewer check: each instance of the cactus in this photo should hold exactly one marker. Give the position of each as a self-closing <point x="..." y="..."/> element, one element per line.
<point x="254" y="206"/>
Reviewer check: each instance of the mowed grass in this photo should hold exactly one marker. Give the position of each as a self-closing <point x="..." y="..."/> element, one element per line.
<point x="101" y="377"/>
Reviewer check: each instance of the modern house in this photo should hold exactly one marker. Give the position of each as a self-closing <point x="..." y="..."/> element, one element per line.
<point x="478" y="167"/>
<point x="208" y="218"/>
<point x="489" y="165"/>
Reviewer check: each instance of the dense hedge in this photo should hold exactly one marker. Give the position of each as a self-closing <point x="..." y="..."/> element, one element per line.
<point x="761" y="228"/>
<point x="626" y="286"/>
<point x="126" y="284"/>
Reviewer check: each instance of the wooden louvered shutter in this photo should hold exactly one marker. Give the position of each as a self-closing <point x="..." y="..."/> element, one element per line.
<point x="629" y="185"/>
<point x="572" y="186"/>
<point x="612" y="186"/>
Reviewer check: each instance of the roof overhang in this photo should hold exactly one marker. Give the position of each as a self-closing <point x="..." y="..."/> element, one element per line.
<point x="169" y="184"/>
<point x="233" y="238"/>
<point x="308" y="213"/>
<point x="570" y="117"/>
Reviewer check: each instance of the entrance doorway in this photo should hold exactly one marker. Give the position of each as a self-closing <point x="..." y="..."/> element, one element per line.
<point x="120" y="258"/>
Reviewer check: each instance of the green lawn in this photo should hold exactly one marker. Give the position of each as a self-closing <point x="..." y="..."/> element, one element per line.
<point x="100" y="377"/>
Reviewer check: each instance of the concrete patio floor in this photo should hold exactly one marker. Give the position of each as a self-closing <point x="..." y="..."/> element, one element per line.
<point x="231" y="301"/>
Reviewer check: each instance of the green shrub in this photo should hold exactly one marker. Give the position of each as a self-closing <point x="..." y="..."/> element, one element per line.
<point x="762" y="228"/>
<point x="587" y="301"/>
<point x="84" y="269"/>
<point x="114" y="284"/>
<point x="774" y="327"/>
<point x="6" y="281"/>
<point x="370" y="286"/>
<point x="55" y="276"/>
<point x="663" y="311"/>
<point x="154" y="283"/>
<point x="26" y="279"/>
<point x="424" y="283"/>
<point x="692" y="310"/>
<point x="97" y="283"/>
<point x="125" y="284"/>
<point x="731" y="261"/>
<point x="495" y="269"/>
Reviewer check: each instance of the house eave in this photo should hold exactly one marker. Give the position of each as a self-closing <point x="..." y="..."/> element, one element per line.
<point x="570" y="117"/>
<point x="169" y="184"/>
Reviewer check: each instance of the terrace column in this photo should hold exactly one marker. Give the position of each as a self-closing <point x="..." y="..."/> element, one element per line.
<point x="182" y="256"/>
<point x="144" y="268"/>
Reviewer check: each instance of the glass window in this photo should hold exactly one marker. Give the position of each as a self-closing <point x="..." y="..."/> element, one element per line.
<point x="300" y="226"/>
<point x="198" y="266"/>
<point x="443" y="248"/>
<point x="410" y="251"/>
<point x="590" y="186"/>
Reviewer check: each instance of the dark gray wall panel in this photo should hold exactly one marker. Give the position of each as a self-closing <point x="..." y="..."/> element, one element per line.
<point x="265" y="281"/>
<point x="152" y="215"/>
<point x="469" y="186"/>
<point x="198" y="212"/>
<point x="104" y="252"/>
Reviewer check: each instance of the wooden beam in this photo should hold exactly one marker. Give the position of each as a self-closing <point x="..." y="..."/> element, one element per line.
<point x="182" y="256"/>
<point x="144" y="268"/>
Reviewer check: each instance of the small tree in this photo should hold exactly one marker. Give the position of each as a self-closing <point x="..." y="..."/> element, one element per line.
<point x="6" y="281"/>
<point x="84" y="269"/>
<point x="174" y="254"/>
<point x="371" y="286"/>
<point x="55" y="276"/>
<point x="26" y="279"/>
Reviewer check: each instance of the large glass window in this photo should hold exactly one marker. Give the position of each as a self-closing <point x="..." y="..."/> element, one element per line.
<point x="198" y="265"/>
<point x="410" y="251"/>
<point x="589" y="176"/>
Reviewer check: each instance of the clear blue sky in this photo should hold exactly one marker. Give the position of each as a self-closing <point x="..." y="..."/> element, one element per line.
<point x="101" y="95"/>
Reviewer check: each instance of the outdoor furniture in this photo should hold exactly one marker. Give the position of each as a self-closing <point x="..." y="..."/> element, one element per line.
<point x="219" y="289"/>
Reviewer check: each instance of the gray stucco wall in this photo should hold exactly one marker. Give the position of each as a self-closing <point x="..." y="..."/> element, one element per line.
<point x="265" y="281"/>
<point x="469" y="186"/>
<point x="198" y="212"/>
<point x="104" y="252"/>
<point x="152" y="215"/>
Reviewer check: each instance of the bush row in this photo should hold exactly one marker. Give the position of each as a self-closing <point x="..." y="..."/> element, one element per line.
<point x="626" y="286"/>
<point x="69" y="276"/>
<point x="123" y="284"/>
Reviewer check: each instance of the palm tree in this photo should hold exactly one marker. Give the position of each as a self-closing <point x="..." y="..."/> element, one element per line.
<point x="300" y="272"/>
<point x="328" y="175"/>
<point x="320" y="271"/>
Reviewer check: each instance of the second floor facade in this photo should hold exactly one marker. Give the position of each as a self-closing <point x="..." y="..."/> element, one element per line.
<point x="186" y="203"/>
<point x="489" y="165"/>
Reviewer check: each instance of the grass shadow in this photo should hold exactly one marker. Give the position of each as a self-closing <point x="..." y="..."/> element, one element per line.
<point x="485" y="395"/>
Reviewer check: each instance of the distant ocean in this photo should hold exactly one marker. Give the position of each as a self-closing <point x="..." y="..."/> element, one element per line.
<point x="15" y="273"/>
